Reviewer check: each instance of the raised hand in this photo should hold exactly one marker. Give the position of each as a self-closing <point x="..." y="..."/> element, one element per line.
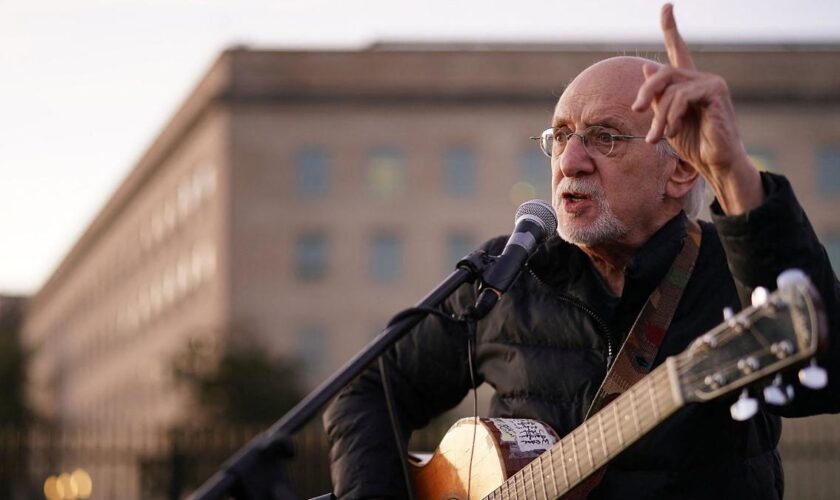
<point x="694" y="111"/>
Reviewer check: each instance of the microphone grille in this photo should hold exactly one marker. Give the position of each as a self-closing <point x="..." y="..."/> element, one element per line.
<point x="542" y="211"/>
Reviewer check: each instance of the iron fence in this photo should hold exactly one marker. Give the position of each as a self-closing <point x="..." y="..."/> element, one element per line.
<point x="135" y="463"/>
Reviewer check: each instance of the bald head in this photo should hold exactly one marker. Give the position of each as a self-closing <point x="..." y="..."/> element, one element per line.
<point x="622" y="70"/>
<point x="619" y="78"/>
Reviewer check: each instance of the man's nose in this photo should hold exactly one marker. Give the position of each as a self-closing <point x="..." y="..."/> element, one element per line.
<point x="575" y="160"/>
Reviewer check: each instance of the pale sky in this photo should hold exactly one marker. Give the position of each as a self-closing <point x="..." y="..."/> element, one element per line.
<point x="86" y="85"/>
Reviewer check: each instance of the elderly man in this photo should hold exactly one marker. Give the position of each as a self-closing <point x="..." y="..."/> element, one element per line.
<point x="629" y="141"/>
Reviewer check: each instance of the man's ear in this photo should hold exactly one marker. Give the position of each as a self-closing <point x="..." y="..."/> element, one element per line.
<point x="681" y="180"/>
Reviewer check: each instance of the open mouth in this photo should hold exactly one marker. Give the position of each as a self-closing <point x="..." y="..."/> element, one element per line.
<point x="573" y="202"/>
<point x="569" y="196"/>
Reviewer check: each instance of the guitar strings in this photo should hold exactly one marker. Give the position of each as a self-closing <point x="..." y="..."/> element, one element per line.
<point x="608" y="429"/>
<point x="810" y="312"/>
<point x="645" y="416"/>
<point x="683" y="363"/>
<point x="550" y="461"/>
<point x="733" y="328"/>
<point x="611" y="428"/>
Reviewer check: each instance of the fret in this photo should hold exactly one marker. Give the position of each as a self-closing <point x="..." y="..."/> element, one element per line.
<point x="533" y="479"/>
<point x="661" y="401"/>
<point x="601" y="430"/>
<point x="673" y="382"/>
<point x="618" y="426"/>
<point x="542" y="477"/>
<point x="654" y="401"/>
<point x="667" y="393"/>
<point x="563" y="463"/>
<point x="588" y="444"/>
<point x="551" y="471"/>
<point x="575" y="454"/>
<point x="516" y="485"/>
<point x="632" y="397"/>
<point x="524" y="483"/>
<point x="542" y="483"/>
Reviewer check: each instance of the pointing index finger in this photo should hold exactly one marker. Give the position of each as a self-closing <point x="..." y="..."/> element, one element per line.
<point x="678" y="53"/>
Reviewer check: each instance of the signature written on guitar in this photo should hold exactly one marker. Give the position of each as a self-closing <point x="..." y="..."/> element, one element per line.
<point x="527" y="435"/>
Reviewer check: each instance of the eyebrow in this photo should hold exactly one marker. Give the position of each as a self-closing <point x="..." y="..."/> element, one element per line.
<point x="613" y="123"/>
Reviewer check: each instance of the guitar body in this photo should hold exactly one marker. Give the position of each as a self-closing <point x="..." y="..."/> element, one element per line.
<point x="502" y="446"/>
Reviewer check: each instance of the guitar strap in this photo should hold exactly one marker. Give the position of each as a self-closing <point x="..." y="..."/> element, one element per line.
<point x="635" y="359"/>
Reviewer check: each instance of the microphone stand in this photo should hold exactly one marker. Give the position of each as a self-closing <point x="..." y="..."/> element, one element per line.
<point x="257" y="471"/>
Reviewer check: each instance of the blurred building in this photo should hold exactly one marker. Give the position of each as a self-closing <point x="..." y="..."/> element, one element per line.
<point x="298" y="199"/>
<point x="13" y="410"/>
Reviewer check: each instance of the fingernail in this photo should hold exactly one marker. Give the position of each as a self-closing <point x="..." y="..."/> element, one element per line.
<point x="649" y="136"/>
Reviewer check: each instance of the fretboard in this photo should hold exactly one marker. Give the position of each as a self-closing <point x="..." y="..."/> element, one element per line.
<point x="598" y="440"/>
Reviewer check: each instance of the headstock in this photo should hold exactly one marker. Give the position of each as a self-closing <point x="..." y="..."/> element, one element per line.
<point x="781" y="329"/>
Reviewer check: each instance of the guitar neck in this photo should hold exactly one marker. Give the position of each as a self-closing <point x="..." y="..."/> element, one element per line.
<point x="599" y="439"/>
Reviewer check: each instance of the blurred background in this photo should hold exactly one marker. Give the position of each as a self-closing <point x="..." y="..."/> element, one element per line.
<point x="209" y="207"/>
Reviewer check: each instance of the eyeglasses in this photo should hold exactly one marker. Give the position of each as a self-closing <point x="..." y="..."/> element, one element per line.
<point x="597" y="140"/>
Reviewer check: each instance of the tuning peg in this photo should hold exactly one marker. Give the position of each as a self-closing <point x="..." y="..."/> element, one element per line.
<point x="813" y="376"/>
<point x="744" y="408"/>
<point x="728" y="313"/>
<point x="759" y="296"/>
<point x="791" y="278"/>
<point x="778" y="393"/>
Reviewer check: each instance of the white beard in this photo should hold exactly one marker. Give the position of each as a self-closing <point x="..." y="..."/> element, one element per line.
<point x="606" y="227"/>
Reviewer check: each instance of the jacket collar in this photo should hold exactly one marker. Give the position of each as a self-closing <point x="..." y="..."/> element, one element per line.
<point x="566" y="268"/>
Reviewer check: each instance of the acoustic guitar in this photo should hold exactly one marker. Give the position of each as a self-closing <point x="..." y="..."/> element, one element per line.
<point x="518" y="458"/>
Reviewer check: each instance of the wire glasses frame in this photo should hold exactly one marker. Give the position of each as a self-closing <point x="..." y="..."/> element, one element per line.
<point x="595" y="139"/>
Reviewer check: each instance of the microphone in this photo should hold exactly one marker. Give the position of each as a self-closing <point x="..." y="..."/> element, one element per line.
<point x="534" y="222"/>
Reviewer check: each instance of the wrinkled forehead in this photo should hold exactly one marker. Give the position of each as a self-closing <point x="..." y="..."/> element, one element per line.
<point x="604" y="92"/>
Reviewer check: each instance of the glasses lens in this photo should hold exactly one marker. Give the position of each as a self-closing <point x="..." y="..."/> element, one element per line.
<point x="599" y="139"/>
<point x="547" y="141"/>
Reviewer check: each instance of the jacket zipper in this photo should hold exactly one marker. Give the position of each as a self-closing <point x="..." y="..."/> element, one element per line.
<point x="602" y="325"/>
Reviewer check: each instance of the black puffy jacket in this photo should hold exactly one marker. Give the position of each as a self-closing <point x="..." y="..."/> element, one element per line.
<point x="544" y="349"/>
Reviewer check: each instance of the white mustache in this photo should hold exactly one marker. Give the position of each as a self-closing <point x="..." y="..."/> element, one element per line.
<point x="581" y="185"/>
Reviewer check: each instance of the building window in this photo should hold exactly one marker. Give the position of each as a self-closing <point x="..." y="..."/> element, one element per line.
<point x="386" y="172"/>
<point x="203" y="262"/>
<point x="828" y="170"/>
<point x="311" y="172"/>
<point x="832" y="247"/>
<point x="385" y="257"/>
<point x="311" y="256"/>
<point x="459" y="171"/>
<point x="311" y="346"/>
<point x="534" y="178"/>
<point x="458" y="246"/>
